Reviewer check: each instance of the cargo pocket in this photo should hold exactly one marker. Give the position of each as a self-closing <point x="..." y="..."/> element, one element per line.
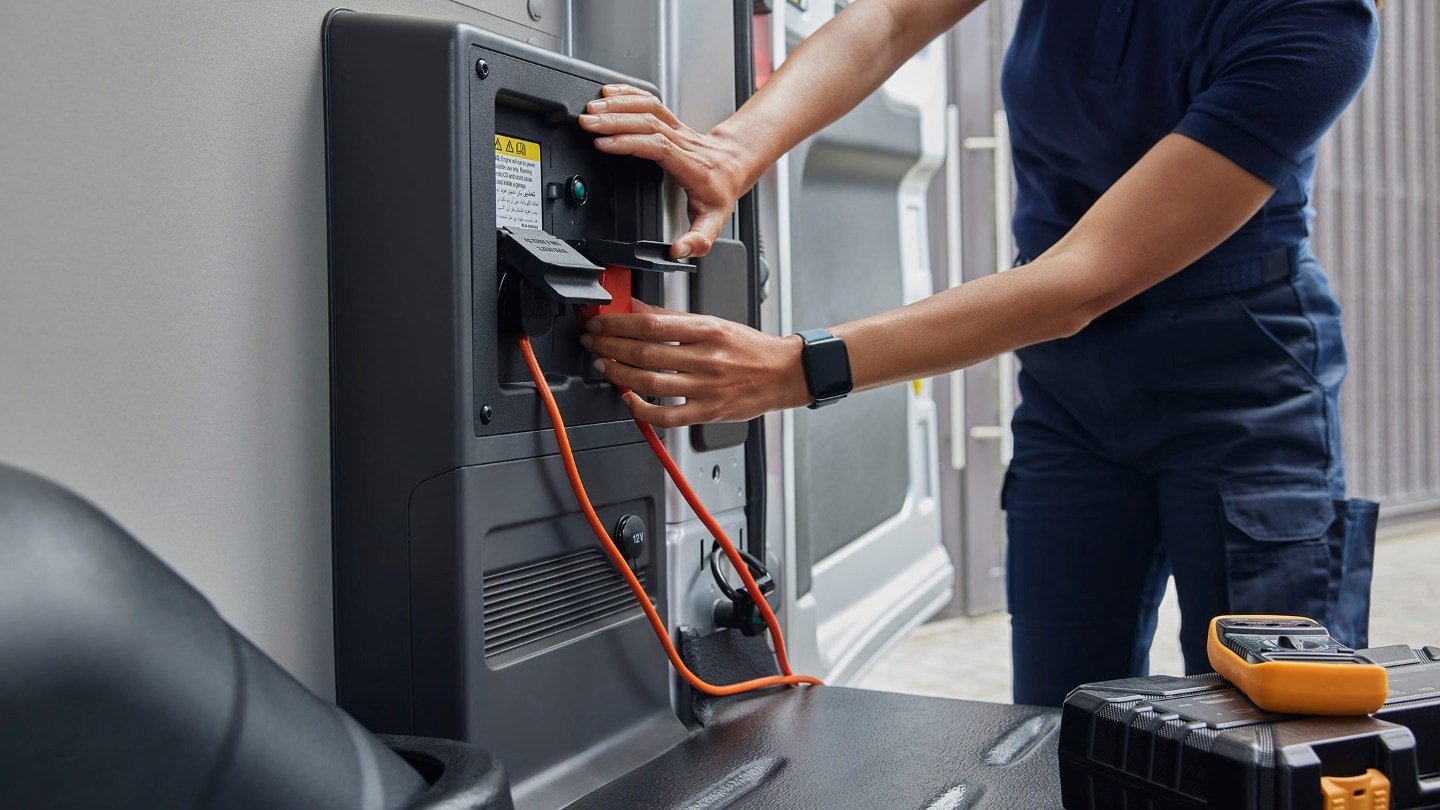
<point x="1356" y="522"/>
<point x="1282" y="551"/>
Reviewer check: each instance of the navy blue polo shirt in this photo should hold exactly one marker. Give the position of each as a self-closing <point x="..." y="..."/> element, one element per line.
<point x="1091" y="85"/>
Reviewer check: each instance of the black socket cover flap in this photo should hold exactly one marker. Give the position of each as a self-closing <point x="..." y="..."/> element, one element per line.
<point x="640" y="255"/>
<point x="552" y="265"/>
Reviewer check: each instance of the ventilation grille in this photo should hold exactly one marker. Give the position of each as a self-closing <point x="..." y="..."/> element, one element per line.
<point x="548" y="602"/>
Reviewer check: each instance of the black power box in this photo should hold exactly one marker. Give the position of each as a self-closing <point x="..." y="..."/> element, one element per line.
<point x="1170" y="742"/>
<point x="471" y="600"/>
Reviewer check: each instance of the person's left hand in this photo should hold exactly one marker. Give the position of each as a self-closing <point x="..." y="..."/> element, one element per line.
<point x="710" y="168"/>
<point x="725" y="371"/>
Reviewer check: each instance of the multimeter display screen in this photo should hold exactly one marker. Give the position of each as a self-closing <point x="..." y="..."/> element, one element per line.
<point x="1259" y="648"/>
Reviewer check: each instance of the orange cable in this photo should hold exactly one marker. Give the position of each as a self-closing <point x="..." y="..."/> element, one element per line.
<point x="608" y="546"/>
<point x="710" y="523"/>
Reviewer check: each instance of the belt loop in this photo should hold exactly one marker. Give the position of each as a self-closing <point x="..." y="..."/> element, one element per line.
<point x="1298" y="254"/>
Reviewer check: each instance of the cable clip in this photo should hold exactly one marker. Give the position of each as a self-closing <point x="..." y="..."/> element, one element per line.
<point x="738" y="610"/>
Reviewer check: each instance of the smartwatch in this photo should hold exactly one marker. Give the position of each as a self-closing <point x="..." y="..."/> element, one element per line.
<point x="827" y="367"/>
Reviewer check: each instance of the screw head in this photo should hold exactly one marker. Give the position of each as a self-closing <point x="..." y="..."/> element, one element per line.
<point x="482" y="68"/>
<point x="486" y="414"/>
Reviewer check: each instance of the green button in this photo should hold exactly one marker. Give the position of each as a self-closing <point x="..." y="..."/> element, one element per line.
<point x="578" y="192"/>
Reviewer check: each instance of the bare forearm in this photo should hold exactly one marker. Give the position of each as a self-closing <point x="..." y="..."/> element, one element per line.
<point x="967" y="324"/>
<point x="831" y="72"/>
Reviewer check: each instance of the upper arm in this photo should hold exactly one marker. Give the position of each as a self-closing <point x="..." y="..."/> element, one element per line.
<point x="1290" y="71"/>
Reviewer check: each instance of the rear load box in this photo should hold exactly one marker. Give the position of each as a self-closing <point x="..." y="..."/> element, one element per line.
<point x="1167" y="742"/>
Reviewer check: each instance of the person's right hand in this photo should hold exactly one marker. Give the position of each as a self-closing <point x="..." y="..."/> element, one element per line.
<point x="631" y="121"/>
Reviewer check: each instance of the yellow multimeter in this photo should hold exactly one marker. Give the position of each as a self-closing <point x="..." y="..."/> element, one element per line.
<point x="1291" y="665"/>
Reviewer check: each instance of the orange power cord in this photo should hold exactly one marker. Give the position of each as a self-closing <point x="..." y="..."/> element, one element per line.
<point x="608" y="546"/>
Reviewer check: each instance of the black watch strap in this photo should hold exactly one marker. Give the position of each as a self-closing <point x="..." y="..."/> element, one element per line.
<point x="827" y="367"/>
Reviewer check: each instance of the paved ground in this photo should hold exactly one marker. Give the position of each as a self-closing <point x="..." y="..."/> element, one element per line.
<point x="970" y="657"/>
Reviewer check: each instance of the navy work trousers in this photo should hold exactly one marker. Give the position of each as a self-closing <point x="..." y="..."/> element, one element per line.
<point x="1195" y="437"/>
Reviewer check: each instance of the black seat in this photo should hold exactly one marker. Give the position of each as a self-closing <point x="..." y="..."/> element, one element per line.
<point x="120" y="686"/>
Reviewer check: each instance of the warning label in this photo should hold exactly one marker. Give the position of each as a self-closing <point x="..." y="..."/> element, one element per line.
<point x="517" y="182"/>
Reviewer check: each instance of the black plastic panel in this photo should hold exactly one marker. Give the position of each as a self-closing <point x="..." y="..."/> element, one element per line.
<point x="537" y="103"/>
<point x="492" y="518"/>
<point x="723" y="287"/>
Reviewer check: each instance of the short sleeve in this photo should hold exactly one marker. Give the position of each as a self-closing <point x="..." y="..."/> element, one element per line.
<point x="1289" y="70"/>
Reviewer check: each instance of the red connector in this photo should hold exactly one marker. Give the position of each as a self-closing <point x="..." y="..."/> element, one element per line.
<point x="616" y="281"/>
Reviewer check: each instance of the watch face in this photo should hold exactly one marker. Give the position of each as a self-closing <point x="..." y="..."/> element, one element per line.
<point x="827" y="368"/>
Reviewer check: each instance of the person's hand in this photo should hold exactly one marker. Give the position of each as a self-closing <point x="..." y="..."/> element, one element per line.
<point x="634" y="122"/>
<point x="726" y="372"/>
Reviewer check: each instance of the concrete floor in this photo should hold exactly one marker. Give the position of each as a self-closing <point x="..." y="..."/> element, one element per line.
<point x="970" y="657"/>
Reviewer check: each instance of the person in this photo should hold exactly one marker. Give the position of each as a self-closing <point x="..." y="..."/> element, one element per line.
<point x="1180" y="349"/>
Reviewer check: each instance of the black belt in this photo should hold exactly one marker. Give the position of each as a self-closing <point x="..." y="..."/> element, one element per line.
<point x="1208" y="281"/>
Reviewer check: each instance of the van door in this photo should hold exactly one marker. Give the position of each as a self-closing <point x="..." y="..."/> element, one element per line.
<point x="855" y="483"/>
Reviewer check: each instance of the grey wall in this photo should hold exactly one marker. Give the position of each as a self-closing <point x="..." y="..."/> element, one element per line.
<point x="163" y="339"/>
<point x="1377" y="191"/>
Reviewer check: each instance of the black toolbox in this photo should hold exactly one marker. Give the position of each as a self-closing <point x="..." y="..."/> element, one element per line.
<point x="1170" y="742"/>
